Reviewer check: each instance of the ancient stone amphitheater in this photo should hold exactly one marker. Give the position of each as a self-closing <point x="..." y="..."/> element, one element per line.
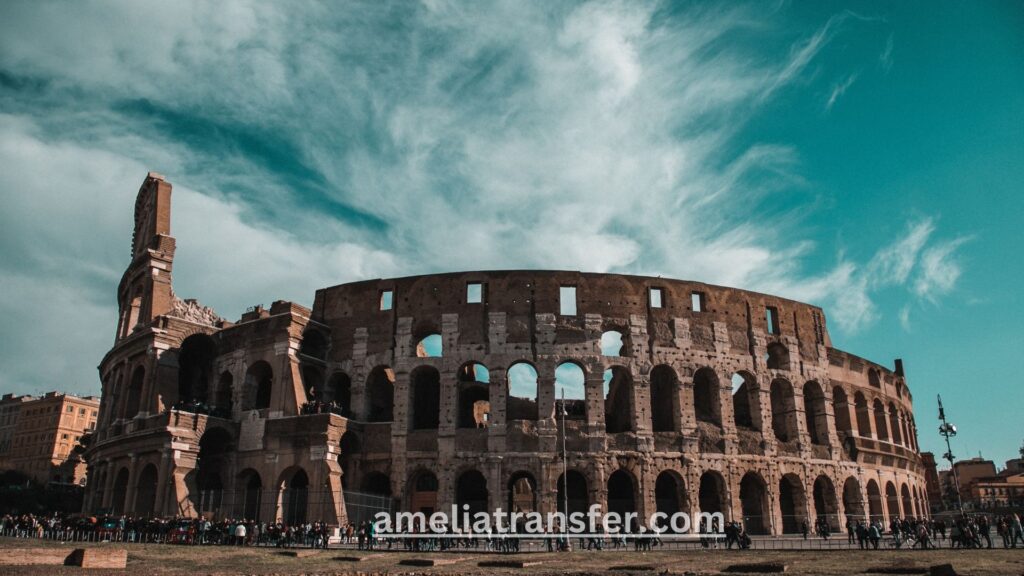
<point x="422" y="392"/>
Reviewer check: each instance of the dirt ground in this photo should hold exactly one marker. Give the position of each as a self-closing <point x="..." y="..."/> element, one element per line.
<point x="169" y="559"/>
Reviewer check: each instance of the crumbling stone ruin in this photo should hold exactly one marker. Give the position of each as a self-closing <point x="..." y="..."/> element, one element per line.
<point x="423" y="392"/>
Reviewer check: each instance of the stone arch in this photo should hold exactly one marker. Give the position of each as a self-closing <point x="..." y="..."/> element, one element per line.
<point x="778" y="356"/>
<point x="380" y="395"/>
<point x="875" y="512"/>
<point x="826" y="505"/>
<point x="119" y="492"/>
<point x="892" y="501"/>
<point x="249" y="486"/>
<point x="338" y="392"/>
<point x="670" y="495"/>
<point x="894" y="424"/>
<point x="471" y="490"/>
<point x="522" y="492"/>
<point x="860" y="404"/>
<point x="376" y="483"/>
<point x="314" y="345"/>
<point x="621" y="493"/>
<point x="814" y="413"/>
<point x="293" y="486"/>
<point x="853" y="505"/>
<point x="665" y="413"/>
<point x="216" y="450"/>
<point x="522" y="391"/>
<point x="571" y="379"/>
<point x="423" y="492"/>
<point x="425" y="398"/>
<point x="572" y="492"/>
<point x="133" y="403"/>
<point x="614" y="344"/>
<point x="258" y="390"/>
<point x="707" y="402"/>
<point x="145" y="492"/>
<point x="312" y="381"/>
<point x="783" y="410"/>
<point x="746" y="401"/>
<point x="754" y="502"/>
<point x="430" y="346"/>
<point x="195" y="368"/>
<point x="792" y="503"/>
<point x="618" y="400"/>
<point x="711" y="493"/>
<point x="223" y="399"/>
<point x="874" y="378"/>
<point x="841" y="408"/>
<point x="908" y="505"/>
<point x="349" y="448"/>
<point x="474" y="400"/>
<point x="880" y="426"/>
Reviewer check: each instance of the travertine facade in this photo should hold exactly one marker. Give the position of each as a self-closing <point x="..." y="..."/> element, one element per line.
<point x="719" y="400"/>
<point x="38" y="436"/>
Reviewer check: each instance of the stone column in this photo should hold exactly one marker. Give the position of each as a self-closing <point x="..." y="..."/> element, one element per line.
<point x="498" y="395"/>
<point x="162" y="483"/>
<point x="133" y="475"/>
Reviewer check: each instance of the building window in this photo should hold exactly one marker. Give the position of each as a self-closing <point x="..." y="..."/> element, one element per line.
<point x="386" y="299"/>
<point x="71" y="409"/>
<point x="474" y="293"/>
<point x="567" y="300"/>
<point x="697" y="301"/>
<point x="657" y="297"/>
<point x="81" y="411"/>
<point x="772" y="317"/>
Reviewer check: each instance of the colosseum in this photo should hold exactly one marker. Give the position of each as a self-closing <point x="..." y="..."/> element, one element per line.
<point x="422" y="392"/>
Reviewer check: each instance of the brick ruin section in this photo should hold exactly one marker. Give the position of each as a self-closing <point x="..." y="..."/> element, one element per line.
<point x="727" y="407"/>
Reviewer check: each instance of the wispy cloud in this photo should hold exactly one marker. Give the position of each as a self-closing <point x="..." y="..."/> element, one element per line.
<point x="838" y="89"/>
<point x="885" y="58"/>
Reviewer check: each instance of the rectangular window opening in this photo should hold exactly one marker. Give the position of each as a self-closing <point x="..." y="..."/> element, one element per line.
<point x="474" y="293"/>
<point x="697" y="301"/>
<point x="657" y="298"/>
<point x="772" y="317"/>
<point x="567" y="300"/>
<point x="386" y="299"/>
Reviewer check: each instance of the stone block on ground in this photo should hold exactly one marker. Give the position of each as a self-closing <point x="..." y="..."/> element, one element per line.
<point x="300" y="553"/>
<point x="107" y="558"/>
<point x="942" y="570"/>
<point x="756" y="568"/>
<point x="427" y="562"/>
<point x="508" y="563"/>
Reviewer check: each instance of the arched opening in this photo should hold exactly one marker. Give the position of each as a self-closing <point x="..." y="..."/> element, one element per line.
<point x="753" y="498"/>
<point x="853" y="505"/>
<point x="474" y="396"/>
<point x="430" y="346"/>
<point x="294" y="488"/>
<point x="778" y="357"/>
<point x="522" y="392"/>
<point x="195" y="368"/>
<point x="860" y="405"/>
<point x="338" y="394"/>
<point x="874" y="378"/>
<point x="881" y="428"/>
<point x="348" y="451"/>
<point x="380" y="395"/>
<point x="875" y="502"/>
<point x="212" y="465"/>
<point x="250" y="486"/>
<point x="145" y="492"/>
<point x="223" y="402"/>
<point x="373" y="496"/>
<point x="669" y="496"/>
<point x="618" y="400"/>
<point x="423" y="496"/>
<point x="117" y="496"/>
<point x="908" y="505"/>
<point x="134" y="401"/>
<point x="471" y="491"/>
<point x="711" y="493"/>
<point x="313" y="382"/>
<point x="892" y="501"/>
<point x="841" y="408"/>
<point x="826" y="506"/>
<point x="613" y="344"/>
<point x="792" y="503"/>
<point x="314" y="345"/>
<point x="522" y="493"/>
<point x="570" y="384"/>
<point x="377" y="484"/>
<point x="906" y="428"/>
<point x="746" y="401"/>
<point x="814" y="413"/>
<point x="425" y="398"/>
<point x="621" y="494"/>
<point x="894" y="424"/>
<point x="706" y="398"/>
<point x="664" y="399"/>
<point x="573" y="492"/>
<point x="783" y="411"/>
<point x="259" y="381"/>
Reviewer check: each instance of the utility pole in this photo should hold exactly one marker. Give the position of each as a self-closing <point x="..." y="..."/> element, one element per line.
<point x="948" y="430"/>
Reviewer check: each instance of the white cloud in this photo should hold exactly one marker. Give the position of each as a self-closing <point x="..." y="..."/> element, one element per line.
<point x="940" y="270"/>
<point x="838" y="89"/>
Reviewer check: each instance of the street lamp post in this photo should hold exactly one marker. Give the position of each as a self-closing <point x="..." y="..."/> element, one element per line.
<point x="948" y="430"/>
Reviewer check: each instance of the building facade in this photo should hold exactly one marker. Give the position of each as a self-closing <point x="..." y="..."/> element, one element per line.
<point x="431" y="391"/>
<point x="38" y="435"/>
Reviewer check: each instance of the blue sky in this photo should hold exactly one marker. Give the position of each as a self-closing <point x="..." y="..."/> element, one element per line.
<point x="864" y="157"/>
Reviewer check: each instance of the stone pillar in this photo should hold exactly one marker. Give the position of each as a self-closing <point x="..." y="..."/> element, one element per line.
<point x="162" y="480"/>
<point x="498" y="398"/>
<point x="108" y="489"/>
<point x="133" y="476"/>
